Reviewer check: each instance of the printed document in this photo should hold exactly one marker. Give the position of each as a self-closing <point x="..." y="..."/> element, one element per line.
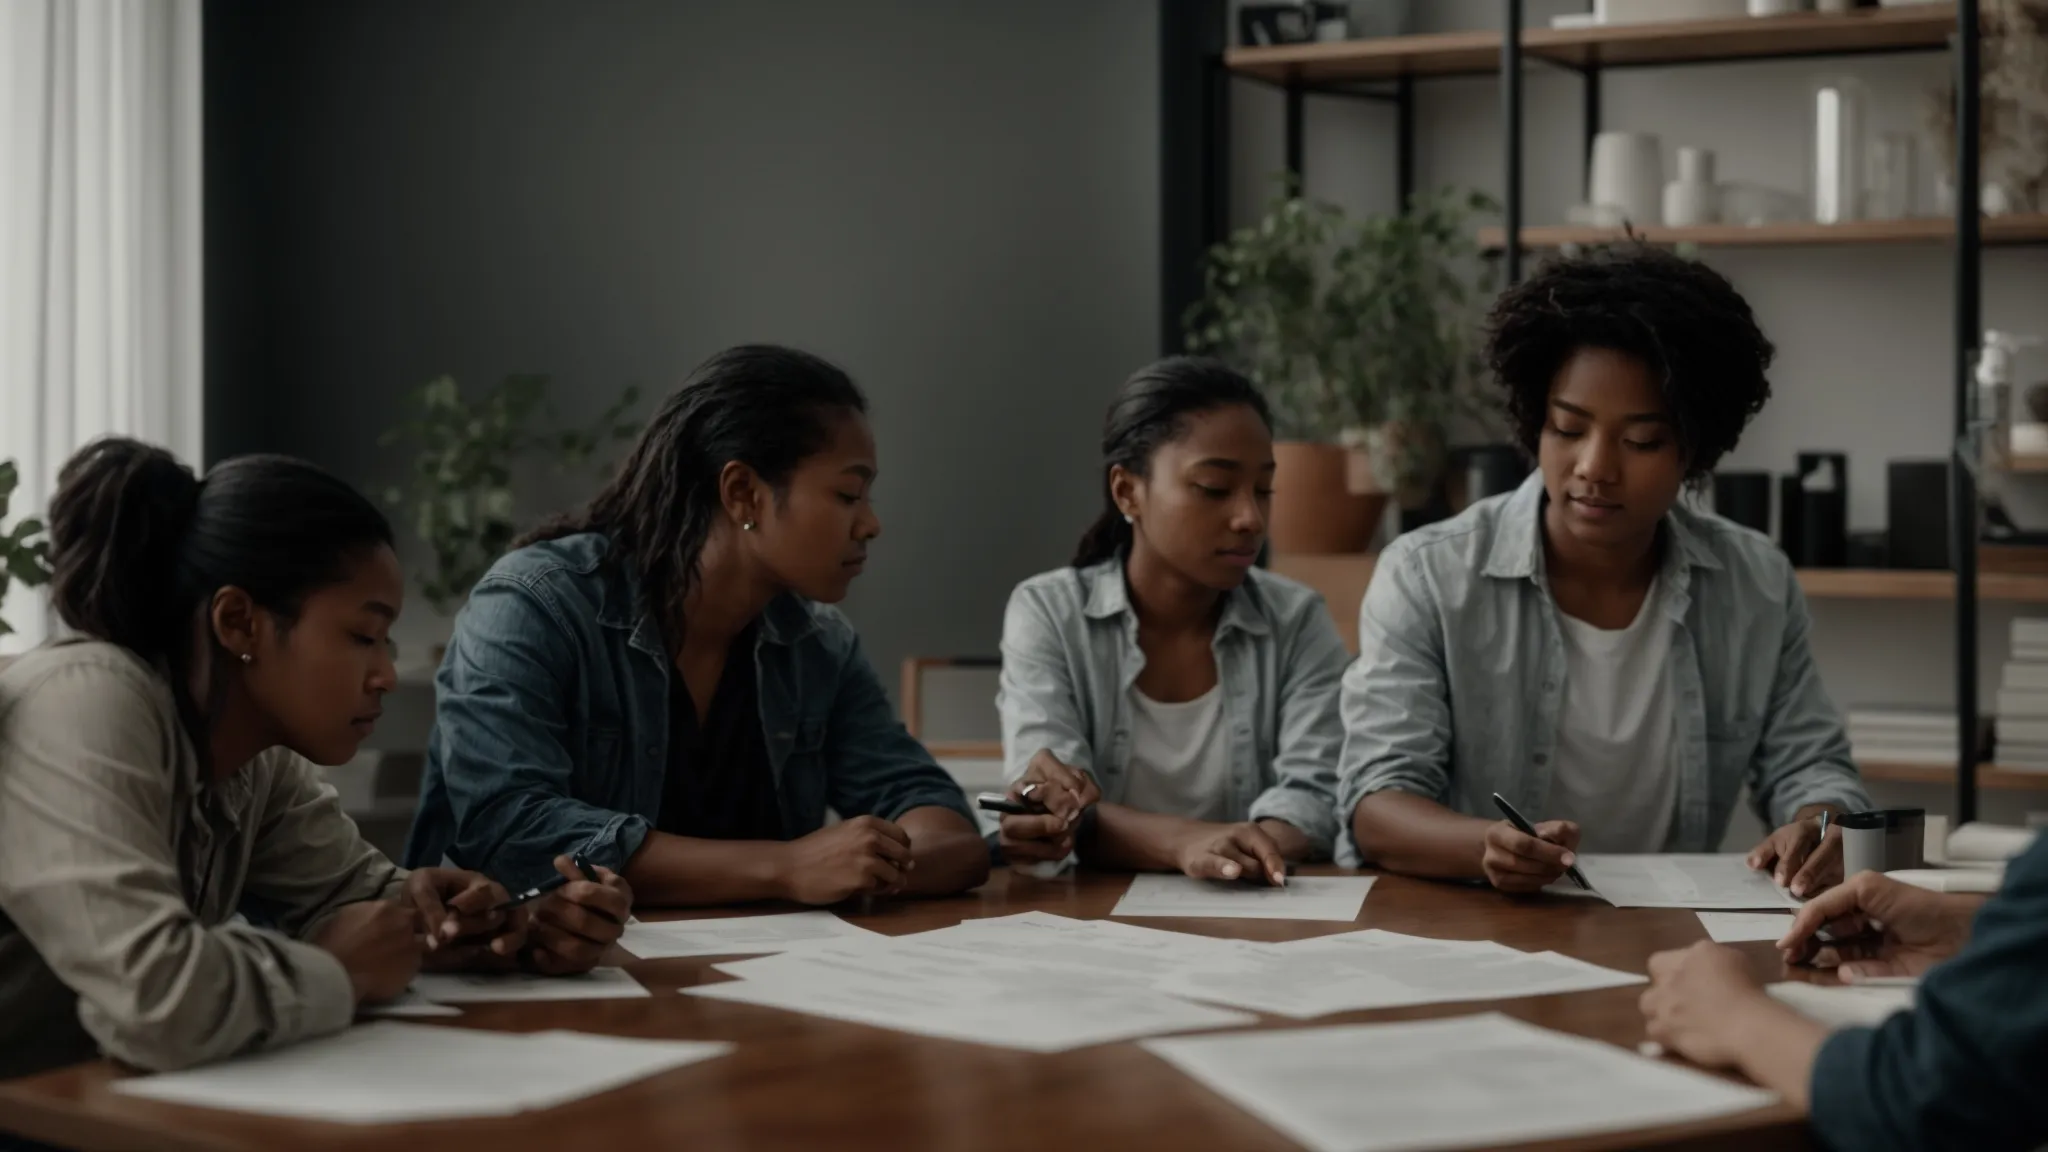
<point x="1459" y="1082"/>
<point x="389" y="1072"/>
<point x="1843" y="1005"/>
<point x="1304" y="898"/>
<point x="734" y="935"/>
<point x="484" y="987"/>
<point x="1675" y="880"/>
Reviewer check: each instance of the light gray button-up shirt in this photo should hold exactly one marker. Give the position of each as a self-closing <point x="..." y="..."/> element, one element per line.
<point x="1070" y="657"/>
<point x="1460" y="676"/>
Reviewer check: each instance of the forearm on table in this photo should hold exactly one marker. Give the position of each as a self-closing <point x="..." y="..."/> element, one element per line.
<point x="1403" y="832"/>
<point x="677" y="871"/>
<point x="1778" y="1049"/>
<point x="949" y="852"/>
<point x="1132" y="840"/>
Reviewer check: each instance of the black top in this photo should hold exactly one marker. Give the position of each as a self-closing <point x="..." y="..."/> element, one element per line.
<point x="720" y="785"/>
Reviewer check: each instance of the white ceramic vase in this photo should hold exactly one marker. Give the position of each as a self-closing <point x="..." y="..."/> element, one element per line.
<point x="1692" y="198"/>
<point x="1628" y="173"/>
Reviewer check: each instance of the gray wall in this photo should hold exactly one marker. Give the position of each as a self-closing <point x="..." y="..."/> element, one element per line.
<point x="1863" y="334"/>
<point x="958" y="202"/>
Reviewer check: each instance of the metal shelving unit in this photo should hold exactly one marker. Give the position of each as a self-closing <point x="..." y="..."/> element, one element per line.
<point x="1387" y="71"/>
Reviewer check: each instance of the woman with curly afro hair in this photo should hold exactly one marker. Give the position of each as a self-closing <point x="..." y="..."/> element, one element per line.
<point x="1615" y="664"/>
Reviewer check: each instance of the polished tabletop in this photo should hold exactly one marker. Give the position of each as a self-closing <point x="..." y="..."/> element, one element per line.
<point x="804" y="1082"/>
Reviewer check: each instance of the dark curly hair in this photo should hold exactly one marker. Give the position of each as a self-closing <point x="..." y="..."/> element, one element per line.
<point x="1682" y="319"/>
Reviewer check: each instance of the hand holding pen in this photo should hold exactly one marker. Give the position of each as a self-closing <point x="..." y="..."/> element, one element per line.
<point x="576" y="916"/>
<point x="1042" y="809"/>
<point x="1522" y="857"/>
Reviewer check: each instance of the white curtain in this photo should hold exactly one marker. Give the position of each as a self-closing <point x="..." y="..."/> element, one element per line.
<point x="100" y="267"/>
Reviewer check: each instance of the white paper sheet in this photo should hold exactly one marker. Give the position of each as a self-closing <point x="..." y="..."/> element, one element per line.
<point x="1303" y="898"/>
<point x="980" y="1010"/>
<point x="735" y="935"/>
<point x="1357" y="971"/>
<point x="390" y="1072"/>
<point x="1735" y="927"/>
<point x="1099" y="949"/>
<point x="408" y="1003"/>
<point x="484" y="987"/>
<point x="1468" y="1080"/>
<point x="1677" y="880"/>
<point x="1844" y="1005"/>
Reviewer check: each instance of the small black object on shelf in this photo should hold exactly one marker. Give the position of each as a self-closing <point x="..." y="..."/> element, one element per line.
<point x="1916" y="513"/>
<point x="1823" y="510"/>
<point x="1744" y="496"/>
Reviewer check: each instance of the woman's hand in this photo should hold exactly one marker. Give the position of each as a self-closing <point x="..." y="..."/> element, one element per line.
<point x="575" y="924"/>
<point x="1231" y="852"/>
<point x="1799" y="858"/>
<point x="1515" y="861"/>
<point x="1064" y="792"/>
<point x="1879" y="927"/>
<point x="459" y="921"/>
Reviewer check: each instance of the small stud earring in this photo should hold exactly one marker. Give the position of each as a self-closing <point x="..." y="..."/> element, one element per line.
<point x="747" y="526"/>
<point x="1130" y="519"/>
<point x="248" y="659"/>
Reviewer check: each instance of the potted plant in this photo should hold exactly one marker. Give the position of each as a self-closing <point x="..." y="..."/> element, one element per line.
<point x="1359" y="335"/>
<point x="1408" y="285"/>
<point x="460" y="500"/>
<point x="24" y="551"/>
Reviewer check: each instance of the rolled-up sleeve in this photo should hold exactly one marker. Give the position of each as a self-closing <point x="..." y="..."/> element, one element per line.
<point x="874" y="766"/>
<point x="89" y="875"/>
<point x="1395" y="700"/>
<point x="1311" y="732"/>
<point x="1964" y="1068"/>
<point x="501" y="742"/>
<point x="1802" y="754"/>
<point x="1036" y="696"/>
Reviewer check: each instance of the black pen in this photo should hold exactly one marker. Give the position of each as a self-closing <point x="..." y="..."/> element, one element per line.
<point x="1521" y="823"/>
<point x="548" y="885"/>
<point x="998" y="802"/>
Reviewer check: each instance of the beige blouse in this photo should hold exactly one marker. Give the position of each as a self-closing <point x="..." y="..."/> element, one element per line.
<point x="121" y="869"/>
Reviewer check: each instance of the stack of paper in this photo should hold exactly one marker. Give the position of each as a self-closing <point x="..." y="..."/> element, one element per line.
<point x="391" y="1073"/>
<point x="1460" y="1082"/>
<point x="1011" y="983"/>
<point x="1678" y="880"/>
<point x="1375" y="969"/>
<point x="1903" y="736"/>
<point x="2023" y="698"/>
<point x="1844" y="1005"/>
<point x="1302" y="898"/>
<point x="734" y="935"/>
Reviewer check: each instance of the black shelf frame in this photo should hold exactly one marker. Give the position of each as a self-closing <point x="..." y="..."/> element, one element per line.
<point x="1203" y="26"/>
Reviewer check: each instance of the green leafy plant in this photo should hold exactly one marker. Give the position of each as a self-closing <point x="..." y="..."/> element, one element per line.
<point x="1349" y="326"/>
<point x="460" y="498"/>
<point x="24" y="550"/>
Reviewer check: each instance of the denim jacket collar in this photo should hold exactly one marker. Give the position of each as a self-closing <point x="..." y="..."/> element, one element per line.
<point x="1109" y="596"/>
<point x="1517" y="549"/>
<point x="785" y="621"/>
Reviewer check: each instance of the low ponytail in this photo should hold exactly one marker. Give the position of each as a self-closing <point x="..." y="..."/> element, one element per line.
<point x="1149" y="411"/>
<point x="139" y="546"/>
<point x="120" y="513"/>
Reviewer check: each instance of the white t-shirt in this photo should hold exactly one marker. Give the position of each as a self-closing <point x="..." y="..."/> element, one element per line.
<point x="1180" y="757"/>
<point x="1615" y="771"/>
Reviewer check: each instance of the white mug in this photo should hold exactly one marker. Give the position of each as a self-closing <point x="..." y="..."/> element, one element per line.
<point x="1628" y="172"/>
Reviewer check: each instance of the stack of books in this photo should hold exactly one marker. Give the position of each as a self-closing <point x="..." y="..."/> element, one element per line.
<point x="1905" y="736"/>
<point x="2023" y="698"/>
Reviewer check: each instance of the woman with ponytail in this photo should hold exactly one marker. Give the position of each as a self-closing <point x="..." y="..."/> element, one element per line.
<point x="154" y="778"/>
<point x="1171" y="705"/>
<point x="656" y="683"/>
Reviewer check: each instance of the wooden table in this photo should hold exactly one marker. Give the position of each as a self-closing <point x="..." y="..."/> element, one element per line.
<point x="799" y="1082"/>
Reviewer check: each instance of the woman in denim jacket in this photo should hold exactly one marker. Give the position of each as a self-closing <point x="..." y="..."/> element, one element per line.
<point x="1173" y="706"/>
<point x="656" y="685"/>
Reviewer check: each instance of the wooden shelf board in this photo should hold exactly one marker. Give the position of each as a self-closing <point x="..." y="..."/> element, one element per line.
<point x="1378" y="58"/>
<point x="1989" y="776"/>
<point x="1909" y="28"/>
<point x="2016" y="229"/>
<point x="2024" y="464"/>
<point x="1916" y="27"/>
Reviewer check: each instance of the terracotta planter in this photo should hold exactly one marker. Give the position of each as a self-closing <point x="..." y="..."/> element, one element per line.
<point x="1314" y="510"/>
